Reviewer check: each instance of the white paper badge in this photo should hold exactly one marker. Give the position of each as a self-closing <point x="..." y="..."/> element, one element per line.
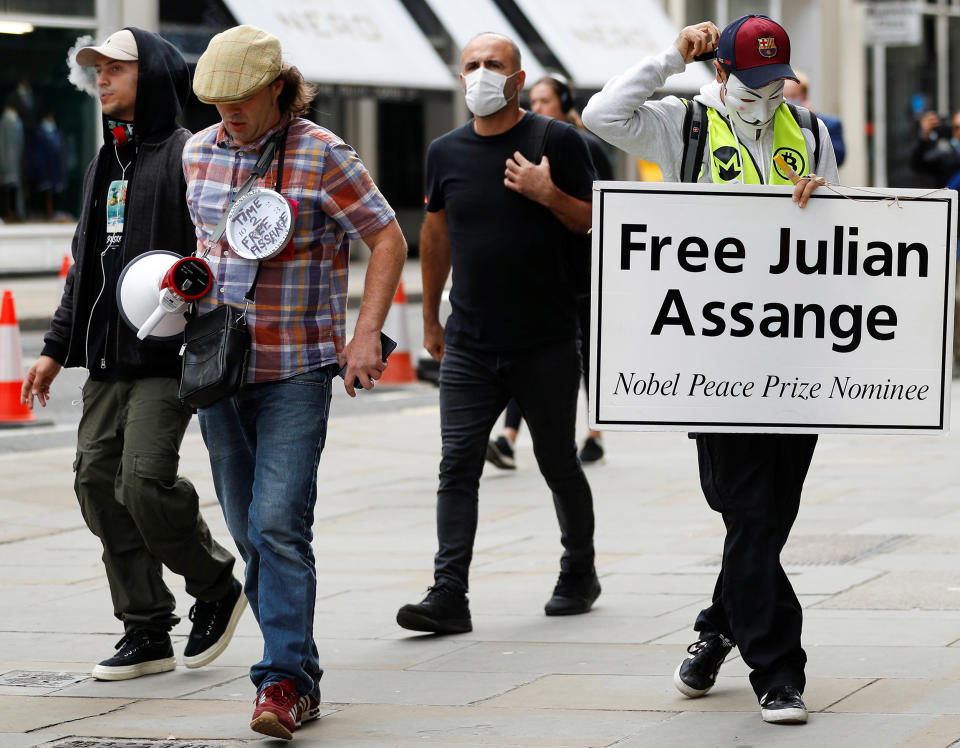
<point x="259" y="224"/>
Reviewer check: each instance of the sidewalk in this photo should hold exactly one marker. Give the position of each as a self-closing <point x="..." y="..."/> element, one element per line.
<point x="36" y="297"/>
<point x="875" y="558"/>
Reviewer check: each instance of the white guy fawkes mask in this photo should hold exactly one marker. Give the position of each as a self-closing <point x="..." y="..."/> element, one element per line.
<point x="484" y="91"/>
<point x="752" y="109"/>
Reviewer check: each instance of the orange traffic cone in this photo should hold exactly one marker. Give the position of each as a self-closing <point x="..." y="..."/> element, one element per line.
<point x="11" y="368"/>
<point x="400" y="370"/>
<point x="64" y="269"/>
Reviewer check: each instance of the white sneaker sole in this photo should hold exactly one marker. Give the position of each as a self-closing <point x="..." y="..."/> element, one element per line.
<point x="210" y="654"/>
<point x="784" y="716"/>
<point x="690" y="693"/>
<point x="134" y="671"/>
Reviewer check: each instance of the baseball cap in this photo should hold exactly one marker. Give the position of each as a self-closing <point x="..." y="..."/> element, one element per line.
<point x="237" y="63"/>
<point x="756" y="49"/>
<point x="120" y="45"/>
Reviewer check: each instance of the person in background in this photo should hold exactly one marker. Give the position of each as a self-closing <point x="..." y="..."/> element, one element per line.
<point x="552" y="96"/>
<point x="936" y="154"/>
<point x="505" y="193"/>
<point x="798" y="92"/>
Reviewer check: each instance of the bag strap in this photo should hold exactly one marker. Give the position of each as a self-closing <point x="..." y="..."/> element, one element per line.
<point x="538" y="137"/>
<point x="808" y="121"/>
<point x="694" y="140"/>
<point x="261" y="167"/>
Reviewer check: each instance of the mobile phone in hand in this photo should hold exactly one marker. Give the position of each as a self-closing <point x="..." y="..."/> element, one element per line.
<point x="387" y="346"/>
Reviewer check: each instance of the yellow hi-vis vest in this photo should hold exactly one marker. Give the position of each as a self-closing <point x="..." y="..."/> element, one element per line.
<point x="726" y="157"/>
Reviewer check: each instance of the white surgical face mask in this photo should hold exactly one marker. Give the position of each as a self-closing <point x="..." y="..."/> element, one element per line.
<point x="752" y="109"/>
<point x="484" y="92"/>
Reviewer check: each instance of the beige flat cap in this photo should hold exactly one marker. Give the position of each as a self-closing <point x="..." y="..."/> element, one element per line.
<point x="238" y="62"/>
<point x="120" y="45"/>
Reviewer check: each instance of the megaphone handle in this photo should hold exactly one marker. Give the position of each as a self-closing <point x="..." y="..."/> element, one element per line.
<point x="152" y="321"/>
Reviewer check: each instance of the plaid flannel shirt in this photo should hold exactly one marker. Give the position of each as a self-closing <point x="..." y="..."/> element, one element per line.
<point x="297" y="322"/>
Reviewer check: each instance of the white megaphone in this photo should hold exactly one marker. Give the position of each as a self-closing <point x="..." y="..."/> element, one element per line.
<point x="156" y="285"/>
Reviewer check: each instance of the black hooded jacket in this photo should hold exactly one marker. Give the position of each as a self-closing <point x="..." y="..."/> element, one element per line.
<point x="156" y="218"/>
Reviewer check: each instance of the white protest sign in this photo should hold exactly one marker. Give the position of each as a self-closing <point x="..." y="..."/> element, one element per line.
<point x="259" y="224"/>
<point x="718" y="308"/>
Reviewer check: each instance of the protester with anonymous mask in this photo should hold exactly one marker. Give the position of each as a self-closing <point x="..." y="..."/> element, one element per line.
<point x="505" y="193"/>
<point x="753" y="480"/>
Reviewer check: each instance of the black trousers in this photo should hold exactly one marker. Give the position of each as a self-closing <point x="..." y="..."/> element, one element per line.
<point x="513" y="416"/>
<point x="754" y="481"/>
<point x="474" y="388"/>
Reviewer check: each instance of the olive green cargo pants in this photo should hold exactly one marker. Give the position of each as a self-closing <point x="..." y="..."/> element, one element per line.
<point x="146" y="516"/>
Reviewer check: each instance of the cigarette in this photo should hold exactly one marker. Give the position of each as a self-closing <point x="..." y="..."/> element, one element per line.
<point x="786" y="169"/>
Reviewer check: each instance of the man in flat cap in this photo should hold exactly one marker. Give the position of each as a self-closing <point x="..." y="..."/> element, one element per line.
<point x="265" y="442"/>
<point x="128" y="443"/>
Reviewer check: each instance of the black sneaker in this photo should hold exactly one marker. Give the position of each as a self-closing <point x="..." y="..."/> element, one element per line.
<point x="213" y="625"/>
<point x="697" y="674"/>
<point x="592" y="452"/>
<point x="442" y="611"/>
<point x="574" y="594"/>
<point x="140" y="652"/>
<point x="500" y="453"/>
<point x="782" y="705"/>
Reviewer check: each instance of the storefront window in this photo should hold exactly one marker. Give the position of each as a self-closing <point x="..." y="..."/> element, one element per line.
<point x="50" y="7"/>
<point x="953" y="44"/>
<point x="911" y="90"/>
<point x="49" y="125"/>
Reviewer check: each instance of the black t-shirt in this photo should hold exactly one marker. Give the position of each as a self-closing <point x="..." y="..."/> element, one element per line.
<point x="511" y="275"/>
<point x="580" y="259"/>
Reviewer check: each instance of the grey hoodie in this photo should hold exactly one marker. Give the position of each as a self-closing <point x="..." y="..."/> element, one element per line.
<point x="623" y="115"/>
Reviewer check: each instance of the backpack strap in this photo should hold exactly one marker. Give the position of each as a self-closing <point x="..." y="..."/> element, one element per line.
<point x="807" y="121"/>
<point x="694" y="140"/>
<point x="538" y="137"/>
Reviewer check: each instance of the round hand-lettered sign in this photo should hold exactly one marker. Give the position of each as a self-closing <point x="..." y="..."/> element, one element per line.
<point x="259" y="224"/>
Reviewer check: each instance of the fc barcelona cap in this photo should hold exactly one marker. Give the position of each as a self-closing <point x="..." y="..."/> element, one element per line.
<point x="756" y="49"/>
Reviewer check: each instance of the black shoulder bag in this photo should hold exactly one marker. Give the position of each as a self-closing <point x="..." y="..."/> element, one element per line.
<point x="216" y="345"/>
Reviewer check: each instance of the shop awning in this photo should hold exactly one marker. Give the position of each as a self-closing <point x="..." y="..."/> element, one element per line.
<point x="350" y="42"/>
<point x="464" y="19"/>
<point x="599" y="39"/>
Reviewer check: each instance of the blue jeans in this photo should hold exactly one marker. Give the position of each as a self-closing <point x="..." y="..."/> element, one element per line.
<point x="474" y="388"/>
<point x="265" y="446"/>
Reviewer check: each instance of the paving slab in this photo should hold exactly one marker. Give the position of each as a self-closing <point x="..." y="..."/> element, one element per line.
<point x="167" y="718"/>
<point x="26" y="713"/>
<point x="873" y="558"/>
<point x="543" y="659"/>
<point x="657" y="693"/>
<point x="386" y="725"/>
<point x="747" y="730"/>
<point x="904" y="696"/>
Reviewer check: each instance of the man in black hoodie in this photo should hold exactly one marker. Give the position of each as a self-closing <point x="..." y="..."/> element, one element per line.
<point x="133" y="422"/>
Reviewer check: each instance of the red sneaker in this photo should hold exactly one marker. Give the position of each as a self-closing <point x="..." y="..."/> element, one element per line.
<point x="278" y="711"/>
<point x="309" y="708"/>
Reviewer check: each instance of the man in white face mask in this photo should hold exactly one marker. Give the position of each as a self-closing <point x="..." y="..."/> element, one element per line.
<point x="508" y="194"/>
<point x="753" y="480"/>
